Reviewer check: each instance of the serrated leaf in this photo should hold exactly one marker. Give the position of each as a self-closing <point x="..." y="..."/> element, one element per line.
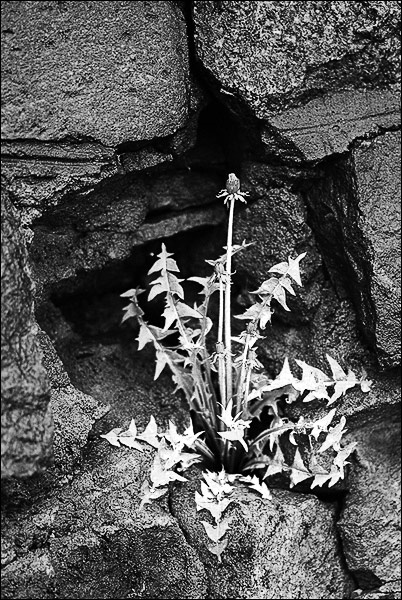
<point x="294" y="268"/>
<point x="321" y="479"/>
<point x="164" y="262"/>
<point x="334" y="437"/>
<point x="215" y="484"/>
<point x="161" y="362"/>
<point x="150" y="434"/>
<point x="144" y="336"/>
<point x="218" y="548"/>
<point x="322" y="424"/>
<point x="251" y="313"/>
<point x="130" y="442"/>
<point x="170" y="316"/>
<point x="340" y="459"/>
<point x="313" y="380"/>
<point x="215" y="533"/>
<point x="186" y="311"/>
<point x="337" y="372"/>
<point x="112" y="436"/>
<point x="280" y="268"/>
<point x="339" y="390"/>
<point x="258" y="486"/>
<point x="130" y="312"/>
<point x="277" y="464"/>
<point x="133" y="293"/>
<point x="268" y="287"/>
<point x="161" y="476"/>
<point x="150" y="493"/>
<point x="287" y="285"/>
<point x="299" y="471"/>
<point x="280" y="296"/>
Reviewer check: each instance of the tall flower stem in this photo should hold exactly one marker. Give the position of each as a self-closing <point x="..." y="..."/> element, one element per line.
<point x="220" y="349"/>
<point x="228" y="284"/>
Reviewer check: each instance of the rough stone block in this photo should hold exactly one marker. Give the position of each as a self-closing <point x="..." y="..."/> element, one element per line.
<point x="27" y="424"/>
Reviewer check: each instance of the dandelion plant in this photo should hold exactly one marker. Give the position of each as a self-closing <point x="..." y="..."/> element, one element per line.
<point x="226" y="389"/>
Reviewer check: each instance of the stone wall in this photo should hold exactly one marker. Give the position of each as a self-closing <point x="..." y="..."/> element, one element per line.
<point x="120" y="122"/>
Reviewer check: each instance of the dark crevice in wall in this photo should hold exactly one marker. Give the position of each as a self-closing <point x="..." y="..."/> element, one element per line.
<point x="94" y="308"/>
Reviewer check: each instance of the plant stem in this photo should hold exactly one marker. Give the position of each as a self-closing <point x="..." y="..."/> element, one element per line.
<point x="242" y="391"/>
<point x="228" y="315"/>
<point x="220" y="352"/>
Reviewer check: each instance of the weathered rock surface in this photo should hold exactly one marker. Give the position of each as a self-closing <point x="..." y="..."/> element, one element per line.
<point x="106" y="154"/>
<point x="327" y="125"/>
<point x="370" y="522"/>
<point x="108" y="71"/>
<point x="74" y="412"/>
<point x="376" y="166"/>
<point x="272" y="549"/>
<point x="26" y="419"/>
<point x="40" y="174"/>
<point x="90" y="540"/>
<point x="91" y="92"/>
<point x="356" y="216"/>
<point x="315" y="74"/>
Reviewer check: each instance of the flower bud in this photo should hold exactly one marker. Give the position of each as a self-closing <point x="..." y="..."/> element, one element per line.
<point x="232" y="184"/>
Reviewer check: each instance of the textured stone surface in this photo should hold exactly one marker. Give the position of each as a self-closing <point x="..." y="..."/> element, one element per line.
<point x="296" y="67"/>
<point x="377" y="172"/>
<point x="356" y="217"/>
<point x="116" y="374"/>
<point x="90" y="540"/>
<point x="370" y="521"/>
<point x="105" y="155"/>
<point x="40" y="175"/>
<point x="109" y="71"/>
<point x="280" y="548"/>
<point x="26" y="419"/>
<point x="74" y="412"/>
<point x="327" y="125"/>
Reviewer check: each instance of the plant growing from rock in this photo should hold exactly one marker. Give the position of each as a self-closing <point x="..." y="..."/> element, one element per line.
<point x="227" y="389"/>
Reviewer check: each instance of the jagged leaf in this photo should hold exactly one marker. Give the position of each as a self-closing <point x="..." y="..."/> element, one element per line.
<point x="258" y="486"/>
<point x="112" y="436"/>
<point x="277" y="464"/>
<point x="151" y="493"/>
<point x="299" y="471"/>
<point x="322" y="424"/>
<point x="218" y="548"/>
<point x="216" y="509"/>
<point x="130" y="442"/>
<point x="161" y="476"/>
<point x="164" y="262"/>
<point x="215" y="533"/>
<point x="340" y="459"/>
<point x="150" y="434"/>
<point x="334" y="437"/>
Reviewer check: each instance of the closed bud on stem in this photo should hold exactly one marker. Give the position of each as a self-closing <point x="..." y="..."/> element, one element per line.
<point x="232" y="184"/>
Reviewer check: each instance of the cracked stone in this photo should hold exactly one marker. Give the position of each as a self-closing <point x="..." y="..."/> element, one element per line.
<point x="315" y="76"/>
<point x="281" y="548"/>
